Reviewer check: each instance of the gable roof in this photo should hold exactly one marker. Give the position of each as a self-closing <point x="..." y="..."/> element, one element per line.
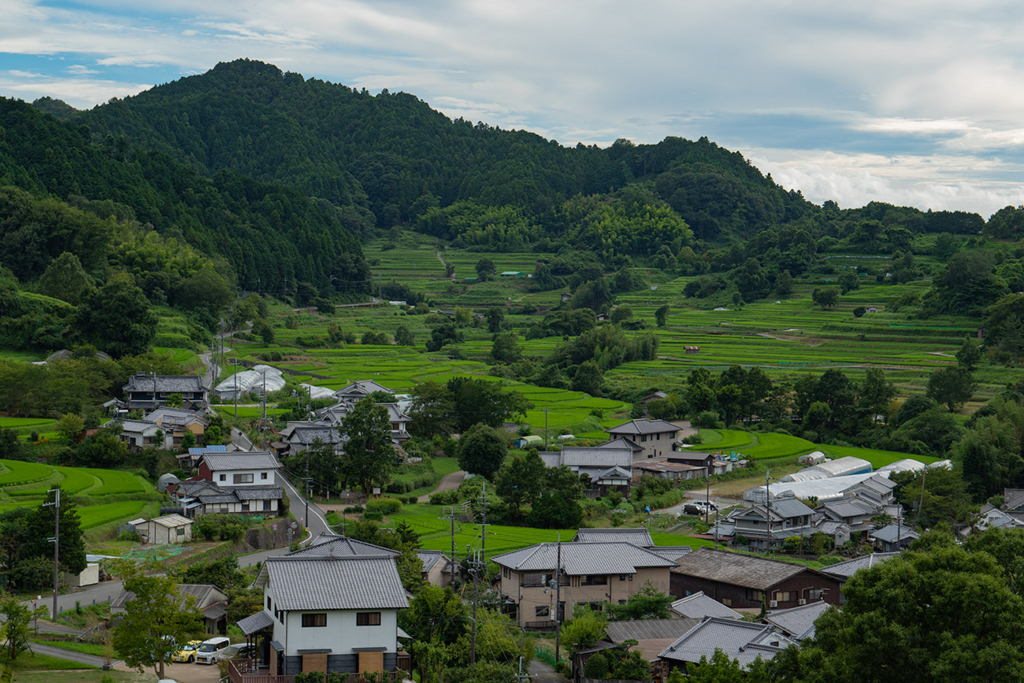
<point x="797" y="621"/>
<point x="736" y="568"/>
<point x="172" y="521"/>
<point x="671" y="552"/>
<point x="580" y="559"/>
<point x="203" y="593"/>
<point x="648" y="629"/>
<point x="363" y="387"/>
<point x="584" y="456"/>
<point x="878" y="483"/>
<point x="315" y="583"/>
<point x="850" y="508"/>
<point x="643" y="427"/>
<point x="134" y="426"/>
<point x="893" y="533"/>
<point x="256" y="460"/>
<point x="342" y="546"/>
<point x="431" y="557"/>
<point x="621" y="442"/>
<point x="1013" y="499"/>
<point x="699" y="606"/>
<point x="637" y="536"/>
<point x="175" y="416"/>
<point x="739" y="640"/>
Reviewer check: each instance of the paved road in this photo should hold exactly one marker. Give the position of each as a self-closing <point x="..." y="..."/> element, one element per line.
<point x="61" y="653"/>
<point x="448" y="482"/>
<point x="544" y="673"/>
<point x="317" y="522"/>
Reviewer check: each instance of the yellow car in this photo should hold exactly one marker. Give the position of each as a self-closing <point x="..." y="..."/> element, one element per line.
<point x="187" y="653"/>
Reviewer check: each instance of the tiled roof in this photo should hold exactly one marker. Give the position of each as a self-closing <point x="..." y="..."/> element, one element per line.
<point x="612" y="473"/>
<point x="342" y="546"/>
<point x="308" y="583"/>
<point x="698" y="606"/>
<point x="306" y="435"/>
<point x="643" y="427"/>
<point x="133" y="425"/>
<point x="1013" y="499"/>
<point x="637" y="536"/>
<point x="363" y="387"/>
<point x="671" y="552"/>
<point x="892" y="533"/>
<point x="739" y="640"/>
<point x="201" y="591"/>
<point x="648" y="629"/>
<point x="622" y="442"/>
<point x="431" y="557"/>
<point x="582" y="456"/>
<point x="256" y="460"/>
<point x="877" y="483"/>
<point x="580" y="559"/>
<point x="798" y="620"/>
<point x="845" y="570"/>
<point x="788" y="508"/>
<point x="736" y="569"/>
<point x="165" y="383"/>
<point x="850" y="508"/>
<point x="257" y="492"/>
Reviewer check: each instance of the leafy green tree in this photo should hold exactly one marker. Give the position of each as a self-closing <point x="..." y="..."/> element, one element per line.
<point x="69" y="426"/>
<point x="435" y="615"/>
<point x="826" y="297"/>
<point x="223" y="573"/>
<point x="102" y="449"/>
<point x="554" y="511"/>
<point x="403" y="337"/>
<point x="891" y="626"/>
<point x="65" y="279"/>
<point x="951" y="386"/>
<point x="848" y="282"/>
<point x="325" y="464"/>
<point x="485" y="269"/>
<point x="620" y="314"/>
<point x="646" y="603"/>
<point x="156" y="622"/>
<point x="433" y="410"/>
<point x="118" y="320"/>
<point x="584" y="629"/>
<point x="936" y="496"/>
<point x="969" y="355"/>
<point x="479" y="401"/>
<point x="505" y="349"/>
<point x="661" y="315"/>
<point x="16" y="627"/>
<point x="784" y="284"/>
<point x="495" y="316"/>
<point x="369" y="457"/>
<point x="876" y="393"/>
<point x="482" y="450"/>
<point x="588" y="378"/>
<point x="520" y="481"/>
<point x="262" y="329"/>
<point x="443" y="335"/>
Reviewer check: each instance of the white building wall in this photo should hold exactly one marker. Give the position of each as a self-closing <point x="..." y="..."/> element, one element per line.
<point x="341" y="635"/>
<point x="257" y="478"/>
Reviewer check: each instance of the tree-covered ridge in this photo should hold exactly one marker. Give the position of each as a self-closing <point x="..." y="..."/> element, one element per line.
<point x="393" y="155"/>
<point x="271" y="236"/>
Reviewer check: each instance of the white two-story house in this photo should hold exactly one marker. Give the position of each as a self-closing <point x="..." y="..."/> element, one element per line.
<point x="330" y="607"/>
<point x="258" y="468"/>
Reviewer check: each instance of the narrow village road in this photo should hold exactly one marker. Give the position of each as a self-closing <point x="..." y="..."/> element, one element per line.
<point x="448" y="482"/>
<point x="317" y="522"/>
<point x="542" y="673"/>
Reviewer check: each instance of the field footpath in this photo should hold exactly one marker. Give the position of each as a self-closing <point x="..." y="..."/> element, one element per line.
<point x="448" y="482"/>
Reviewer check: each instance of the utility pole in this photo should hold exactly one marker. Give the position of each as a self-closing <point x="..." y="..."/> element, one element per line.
<point x="546" y="428"/>
<point x="920" y="503"/>
<point x="476" y="578"/>
<point x="307" y="488"/>
<point x="768" y="501"/>
<point x="448" y="513"/>
<point x="479" y="561"/>
<point x="56" y="545"/>
<point x="707" y="494"/>
<point x="236" y="387"/>
<point x="558" y="599"/>
<point x="483" y="526"/>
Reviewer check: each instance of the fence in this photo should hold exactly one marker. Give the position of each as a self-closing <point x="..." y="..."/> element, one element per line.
<point x="243" y="671"/>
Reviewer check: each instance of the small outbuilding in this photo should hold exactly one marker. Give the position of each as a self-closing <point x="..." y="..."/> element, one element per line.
<point x="168" y="529"/>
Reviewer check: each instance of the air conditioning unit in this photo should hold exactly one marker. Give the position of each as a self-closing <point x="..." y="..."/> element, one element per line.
<point x="773" y="604"/>
<point x="801" y="602"/>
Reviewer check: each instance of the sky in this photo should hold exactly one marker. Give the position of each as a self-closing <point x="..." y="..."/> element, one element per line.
<point x="912" y="103"/>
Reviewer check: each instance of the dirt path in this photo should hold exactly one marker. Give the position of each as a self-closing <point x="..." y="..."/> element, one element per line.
<point x="448" y="482"/>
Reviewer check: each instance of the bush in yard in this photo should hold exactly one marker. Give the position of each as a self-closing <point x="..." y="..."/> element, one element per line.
<point x="708" y="419"/>
<point x="372" y="516"/>
<point x="385" y="506"/>
<point x="596" y="666"/>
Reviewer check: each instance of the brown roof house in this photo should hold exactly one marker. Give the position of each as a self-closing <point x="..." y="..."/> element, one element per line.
<point x="591" y="574"/>
<point x="743" y="581"/>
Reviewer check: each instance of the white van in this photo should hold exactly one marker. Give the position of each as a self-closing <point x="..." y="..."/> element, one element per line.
<point x="207" y="652"/>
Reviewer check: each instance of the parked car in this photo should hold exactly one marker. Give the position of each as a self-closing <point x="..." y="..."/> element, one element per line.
<point x="210" y="649"/>
<point x="242" y="650"/>
<point x="692" y="509"/>
<point x="187" y="653"/>
<point x="705" y="505"/>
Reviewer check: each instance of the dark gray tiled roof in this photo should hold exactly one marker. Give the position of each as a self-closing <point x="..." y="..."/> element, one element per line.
<point x="671" y="552"/>
<point x="850" y="508"/>
<point x="643" y="427"/>
<point x="256" y="460"/>
<point x="580" y="559"/>
<point x="648" y="629"/>
<point x="306" y="435"/>
<point x="257" y="492"/>
<point x="363" y="387"/>
<point x="846" y="569"/>
<point x="342" y="546"/>
<point x="582" y="456"/>
<point x="1013" y="499"/>
<point x="201" y="591"/>
<point x="432" y="557"/>
<point x="736" y="569"/>
<point x="165" y="383"/>
<point x="622" y="442"/>
<point x="637" y="536"/>
<point x="892" y="533"/>
<point x="314" y="583"/>
<point x="698" y="606"/>
<point x="739" y="640"/>
<point x="798" y="620"/>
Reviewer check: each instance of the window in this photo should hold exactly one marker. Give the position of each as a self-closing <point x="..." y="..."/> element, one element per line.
<point x="223" y="477"/>
<point x="506" y="572"/>
<point x="622" y="577"/>
<point x="245" y="506"/>
<point x="243" y="478"/>
<point x="180" y="531"/>
<point x="263" y="475"/>
<point x="367" y="618"/>
<point x="270" y="605"/>
<point x="622" y="602"/>
<point x="314" y="620"/>
<point x="536" y="579"/>
<point x="542" y="611"/>
<point x="782" y="596"/>
<point x="752" y="595"/>
<point x="814" y="593"/>
<point x="727" y="602"/>
<point x="594" y="580"/>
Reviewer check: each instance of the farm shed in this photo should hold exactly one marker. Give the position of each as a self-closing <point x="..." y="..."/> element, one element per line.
<point x="690" y="350"/>
<point x="168" y="529"/>
<point x="529" y="441"/>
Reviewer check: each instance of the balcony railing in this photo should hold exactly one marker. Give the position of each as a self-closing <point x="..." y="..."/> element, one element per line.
<point x="245" y="671"/>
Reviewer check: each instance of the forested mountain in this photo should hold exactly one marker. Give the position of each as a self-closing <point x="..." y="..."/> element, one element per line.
<point x="269" y="236"/>
<point x="394" y="156"/>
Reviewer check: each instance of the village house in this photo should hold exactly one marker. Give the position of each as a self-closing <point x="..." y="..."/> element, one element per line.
<point x="437" y="567"/>
<point x="166" y="529"/>
<point x="331" y="607"/>
<point x="298" y="436"/>
<point x="623" y="442"/>
<point x="399" y="421"/>
<point x="147" y="392"/>
<point x="783" y="518"/>
<point x="656" y="437"/>
<point x="705" y="461"/>
<point x="797" y="622"/>
<point x="667" y="470"/>
<point x="176" y="422"/>
<point x="609" y="469"/>
<point x="209" y="600"/>
<point x="201" y="497"/>
<point x="698" y="606"/>
<point x="591" y="574"/>
<point x="190" y="460"/>
<point x="739" y="640"/>
<point x="357" y="391"/>
<point x="656" y="396"/>
<point x="743" y="581"/>
<point x="893" y="538"/>
<point x="651" y="636"/>
<point x="136" y="434"/>
<point x="258" y="468"/>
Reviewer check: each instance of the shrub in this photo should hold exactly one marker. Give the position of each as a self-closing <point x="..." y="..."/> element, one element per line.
<point x="450" y="497"/>
<point x="385" y="506"/>
<point x="353" y="510"/>
<point x="129" y="536"/>
<point x="741" y="540"/>
<point x="596" y="666"/>
<point x="371" y="516"/>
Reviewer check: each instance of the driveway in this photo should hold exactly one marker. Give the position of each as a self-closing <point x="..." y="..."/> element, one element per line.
<point x="183" y="673"/>
<point x="448" y="482"/>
